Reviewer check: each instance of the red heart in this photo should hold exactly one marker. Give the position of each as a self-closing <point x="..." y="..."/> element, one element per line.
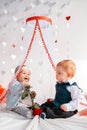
<point x="22" y="37"/>
<point x="55" y="41"/>
<point x="13" y="45"/>
<point x="68" y="18"/>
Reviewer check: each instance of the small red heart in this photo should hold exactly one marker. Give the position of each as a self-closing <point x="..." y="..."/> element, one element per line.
<point x="13" y="45"/>
<point x="68" y="18"/>
<point x="55" y="41"/>
<point x="22" y="38"/>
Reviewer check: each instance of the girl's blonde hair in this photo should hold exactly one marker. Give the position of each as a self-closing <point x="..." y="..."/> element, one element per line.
<point x="69" y="67"/>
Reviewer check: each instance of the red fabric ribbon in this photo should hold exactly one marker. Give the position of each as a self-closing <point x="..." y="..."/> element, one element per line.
<point x="39" y="18"/>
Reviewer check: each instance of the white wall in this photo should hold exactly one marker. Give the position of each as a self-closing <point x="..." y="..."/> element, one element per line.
<point x="71" y="37"/>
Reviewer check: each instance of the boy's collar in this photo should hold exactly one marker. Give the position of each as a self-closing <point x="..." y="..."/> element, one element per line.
<point x="70" y="81"/>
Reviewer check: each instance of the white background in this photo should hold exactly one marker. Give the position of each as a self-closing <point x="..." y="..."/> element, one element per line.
<point x="15" y="36"/>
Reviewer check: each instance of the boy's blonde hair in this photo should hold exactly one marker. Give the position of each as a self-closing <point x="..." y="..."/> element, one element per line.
<point x="69" y="67"/>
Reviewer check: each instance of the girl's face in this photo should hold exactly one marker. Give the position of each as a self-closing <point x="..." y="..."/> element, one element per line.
<point x="61" y="74"/>
<point x="24" y="75"/>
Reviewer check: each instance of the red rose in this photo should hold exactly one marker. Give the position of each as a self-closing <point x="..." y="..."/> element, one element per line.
<point x="37" y="111"/>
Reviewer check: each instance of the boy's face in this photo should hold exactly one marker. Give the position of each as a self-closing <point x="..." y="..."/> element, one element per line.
<point x="61" y="74"/>
<point x="24" y="75"/>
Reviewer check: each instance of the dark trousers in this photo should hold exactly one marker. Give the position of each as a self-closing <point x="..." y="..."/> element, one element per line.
<point x="53" y="112"/>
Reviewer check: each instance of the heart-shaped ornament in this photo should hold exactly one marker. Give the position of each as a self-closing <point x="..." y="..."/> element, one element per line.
<point x="13" y="56"/>
<point x="3" y="72"/>
<point x="68" y="18"/>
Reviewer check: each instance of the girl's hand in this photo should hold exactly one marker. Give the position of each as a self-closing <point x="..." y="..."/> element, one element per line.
<point x="63" y="107"/>
<point x="26" y="84"/>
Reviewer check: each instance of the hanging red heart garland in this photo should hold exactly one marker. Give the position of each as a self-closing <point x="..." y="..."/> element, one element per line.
<point x="68" y="18"/>
<point x="13" y="45"/>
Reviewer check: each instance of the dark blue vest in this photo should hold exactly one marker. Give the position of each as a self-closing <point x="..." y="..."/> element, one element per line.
<point x="62" y="94"/>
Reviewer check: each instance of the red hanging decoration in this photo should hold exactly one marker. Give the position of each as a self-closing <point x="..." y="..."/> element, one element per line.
<point x="37" y="26"/>
<point x="13" y="45"/>
<point x="68" y="18"/>
<point x="22" y="38"/>
<point x="56" y="41"/>
<point x="39" y="18"/>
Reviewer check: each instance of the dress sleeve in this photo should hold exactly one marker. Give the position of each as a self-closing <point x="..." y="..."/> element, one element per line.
<point x="16" y="87"/>
<point x="14" y="94"/>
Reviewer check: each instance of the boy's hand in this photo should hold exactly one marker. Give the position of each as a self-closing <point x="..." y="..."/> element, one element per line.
<point x="63" y="107"/>
<point x="49" y="99"/>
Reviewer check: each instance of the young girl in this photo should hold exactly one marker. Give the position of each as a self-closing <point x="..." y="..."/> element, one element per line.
<point x="67" y="97"/>
<point x="19" y="97"/>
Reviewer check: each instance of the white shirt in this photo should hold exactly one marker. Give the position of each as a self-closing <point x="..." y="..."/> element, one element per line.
<point x="76" y="97"/>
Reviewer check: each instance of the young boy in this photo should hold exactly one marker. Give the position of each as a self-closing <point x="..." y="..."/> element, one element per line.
<point x="19" y="97"/>
<point x="67" y="97"/>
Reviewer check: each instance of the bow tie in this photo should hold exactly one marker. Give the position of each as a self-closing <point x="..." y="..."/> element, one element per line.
<point x="63" y="84"/>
